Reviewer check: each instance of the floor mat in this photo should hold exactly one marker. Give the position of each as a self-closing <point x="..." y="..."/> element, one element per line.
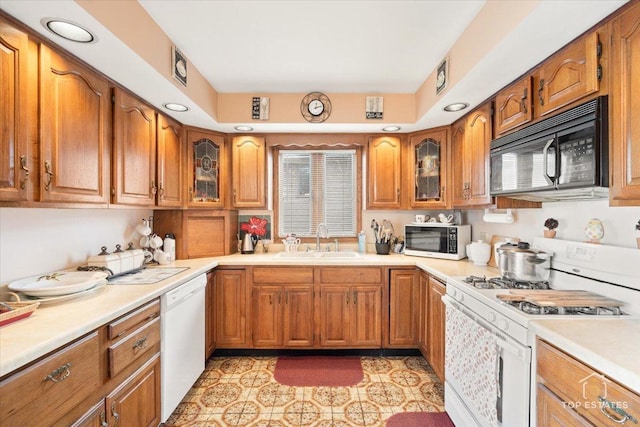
<point x="422" y="419"/>
<point x="318" y="371"/>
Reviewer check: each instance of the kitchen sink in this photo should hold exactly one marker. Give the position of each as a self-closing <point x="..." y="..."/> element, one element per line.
<point x="297" y="255"/>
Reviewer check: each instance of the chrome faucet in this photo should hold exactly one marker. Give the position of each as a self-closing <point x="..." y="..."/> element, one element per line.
<point x="321" y="231"/>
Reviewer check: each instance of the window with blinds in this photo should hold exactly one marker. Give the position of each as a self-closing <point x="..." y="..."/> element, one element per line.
<point x="317" y="186"/>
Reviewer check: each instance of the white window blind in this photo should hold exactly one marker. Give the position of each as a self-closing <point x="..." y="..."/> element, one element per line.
<point x="317" y="186"/>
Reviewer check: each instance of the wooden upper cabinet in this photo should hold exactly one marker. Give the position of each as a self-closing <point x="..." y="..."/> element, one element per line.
<point x="624" y="104"/>
<point x="470" y="144"/>
<point x="248" y="172"/>
<point x="75" y="124"/>
<point x="458" y="171"/>
<point x="569" y="75"/>
<point x="15" y="166"/>
<point x="428" y="163"/>
<point x="134" y="151"/>
<point x="513" y="106"/>
<point x="206" y="169"/>
<point x="384" y="173"/>
<point x="170" y="158"/>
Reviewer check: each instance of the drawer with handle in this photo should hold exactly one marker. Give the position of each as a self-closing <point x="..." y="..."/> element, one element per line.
<point x="130" y="322"/>
<point x="42" y="393"/>
<point x="591" y="394"/>
<point x="136" y="345"/>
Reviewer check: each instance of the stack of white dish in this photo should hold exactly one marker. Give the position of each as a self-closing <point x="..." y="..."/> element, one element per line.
<point x="60" y="285"/>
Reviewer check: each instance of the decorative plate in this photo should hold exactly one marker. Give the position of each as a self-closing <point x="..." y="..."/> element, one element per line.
<point x="58" y="283"/>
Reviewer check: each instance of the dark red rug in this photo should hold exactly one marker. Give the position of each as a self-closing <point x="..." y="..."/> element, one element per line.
<point x="318" y="371"/>
<point x="420" y="419"/>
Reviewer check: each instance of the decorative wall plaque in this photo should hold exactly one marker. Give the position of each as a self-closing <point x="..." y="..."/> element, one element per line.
<point x="374" y="107"/>
<point x="179" y="65"/>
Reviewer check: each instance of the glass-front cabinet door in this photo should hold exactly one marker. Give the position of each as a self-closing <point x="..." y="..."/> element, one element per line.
<point x="206" y="175"/>
<point x="429" y="168"/>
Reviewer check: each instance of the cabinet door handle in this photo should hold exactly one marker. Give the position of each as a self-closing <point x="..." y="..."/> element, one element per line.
<point x="140" y="344"/>
<point x="103" y="420"/>
<point x="621" y="417"/>
<point x="234" y="196"/>
<point x="286" y="298"/>
<point x="523" y="101"/>
<point x="49" y="173"/>
<point x="23" y="166"/>
<point x="347" y="297"/>
<point x="540" y="89"/>
<point x="154" y="189"/>
<point x="355" y="297"/>
<point x="161" y="191"/>
<point x="115" y="415"/>
<point x="60" y="374"/>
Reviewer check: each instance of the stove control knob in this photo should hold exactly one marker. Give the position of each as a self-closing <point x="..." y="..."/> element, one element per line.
<point x="503" y="324"/>
<point x="453" y="293"/>
<point x="492" y="317"/>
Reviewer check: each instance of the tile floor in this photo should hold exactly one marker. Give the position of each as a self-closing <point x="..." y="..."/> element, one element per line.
<point x="241" y="391"/>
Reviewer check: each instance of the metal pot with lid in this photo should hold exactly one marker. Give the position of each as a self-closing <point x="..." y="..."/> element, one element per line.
<point x="521" y="262"/>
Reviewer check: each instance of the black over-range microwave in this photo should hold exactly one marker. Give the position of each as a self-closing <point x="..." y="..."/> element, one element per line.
<point x="560" y="158"/>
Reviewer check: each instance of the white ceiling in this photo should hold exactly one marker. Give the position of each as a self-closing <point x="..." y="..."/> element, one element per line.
<point x="302" y="46"/>
<point x="361" y="46"/>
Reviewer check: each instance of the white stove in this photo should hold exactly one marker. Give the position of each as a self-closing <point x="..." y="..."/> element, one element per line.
<point x="482" y="316"/>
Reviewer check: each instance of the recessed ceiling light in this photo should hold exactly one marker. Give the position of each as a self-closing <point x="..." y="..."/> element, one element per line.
<point x="68" y="30"/>
<point x="456" y="107"/>
<point x="243" y="128"/>
<point x="391" y="128"/>
<point x="173" y="106"/>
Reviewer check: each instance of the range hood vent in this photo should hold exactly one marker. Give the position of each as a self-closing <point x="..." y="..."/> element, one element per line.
<point x="591" y="193"/>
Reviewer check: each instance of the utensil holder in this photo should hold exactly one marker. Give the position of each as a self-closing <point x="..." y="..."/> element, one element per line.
<point x="383" y="248"/>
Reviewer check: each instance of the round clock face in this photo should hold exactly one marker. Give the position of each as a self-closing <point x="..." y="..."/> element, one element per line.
<point x="315" y="107"/>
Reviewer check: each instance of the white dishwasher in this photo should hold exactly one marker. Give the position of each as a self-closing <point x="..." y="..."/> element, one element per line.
<point x="182" y="341"/>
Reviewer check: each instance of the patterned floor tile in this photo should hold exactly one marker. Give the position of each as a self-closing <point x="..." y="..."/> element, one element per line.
<point x="241" y="391"/>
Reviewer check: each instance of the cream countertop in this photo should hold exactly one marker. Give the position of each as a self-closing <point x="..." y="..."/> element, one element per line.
<point x="53" y="326"/>
<point x="611" y="346"/>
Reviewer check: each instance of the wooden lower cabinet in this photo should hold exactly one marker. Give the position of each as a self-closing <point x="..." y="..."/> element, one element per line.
<point x="403" y="307"/>
<point x="231" y="308"/>
<point x="572" y="393"/>
<point x="111" y="376"/>
<point x="423" y="314"/>
<point x="552" y="411"/>
<point x="436" y="326"/>
<point x="94" y="417"/>
<point x="54" y="385"/>
<point x="136" y="403"/>
<point x="282" y="316"/>
<point x="210" y="317"/>
<point x="350" y="316"/>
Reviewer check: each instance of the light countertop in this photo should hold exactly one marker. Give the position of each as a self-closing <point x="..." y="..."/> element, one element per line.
<point x="611" y="346"/>
<point x="52" y="326"/>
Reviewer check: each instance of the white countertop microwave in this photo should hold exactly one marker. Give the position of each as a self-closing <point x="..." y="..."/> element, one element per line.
<point x="437" y="240"/>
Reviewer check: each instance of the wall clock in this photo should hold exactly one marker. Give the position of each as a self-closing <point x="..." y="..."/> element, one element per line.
<point x="315" y="107"/>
